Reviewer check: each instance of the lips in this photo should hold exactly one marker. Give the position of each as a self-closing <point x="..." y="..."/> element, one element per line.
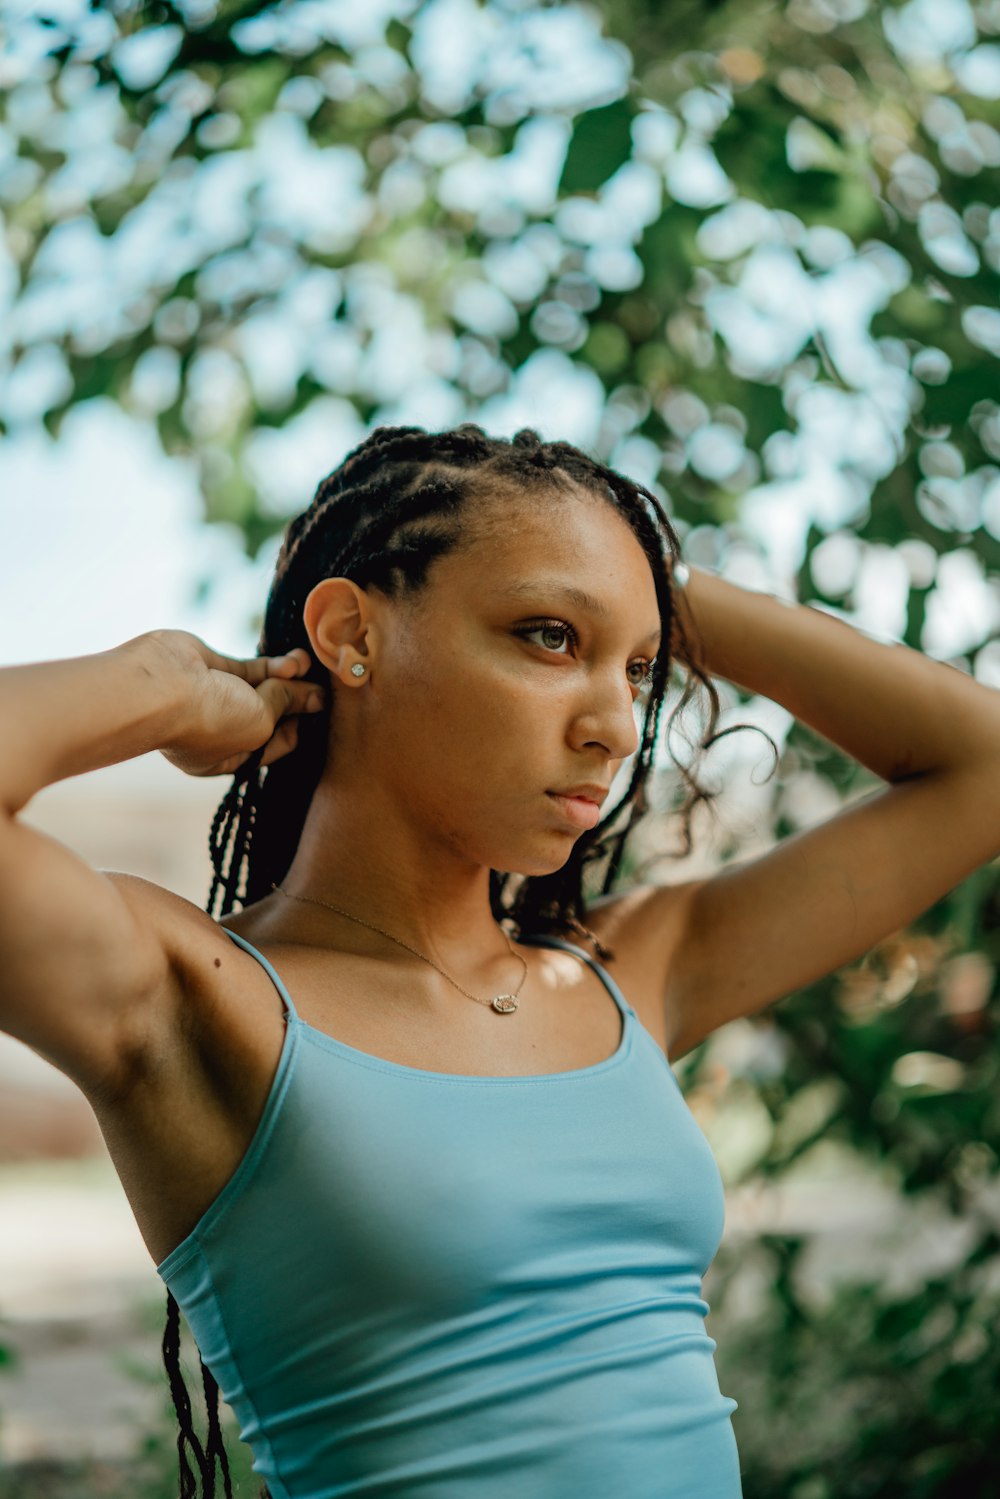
<point x="590" y="791"/>
<point x="581" y="811"/>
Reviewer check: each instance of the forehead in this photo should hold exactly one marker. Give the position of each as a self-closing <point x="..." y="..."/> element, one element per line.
<point x="547" y="547"/>
<point x="576" y="529"/>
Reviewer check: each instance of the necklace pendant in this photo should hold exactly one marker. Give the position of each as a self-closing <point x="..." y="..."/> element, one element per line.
<point x="504" y="1004"/>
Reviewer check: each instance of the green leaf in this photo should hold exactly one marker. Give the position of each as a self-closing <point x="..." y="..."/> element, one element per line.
<point x="600" y="144"/>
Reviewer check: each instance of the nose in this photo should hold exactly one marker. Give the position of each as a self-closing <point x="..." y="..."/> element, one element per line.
<point x="607" y="717"/>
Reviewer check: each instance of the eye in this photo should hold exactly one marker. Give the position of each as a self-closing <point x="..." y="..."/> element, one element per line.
<point x="549" y="627"/>
<point x="560" y="627"/>
<point x="645" y="681"/>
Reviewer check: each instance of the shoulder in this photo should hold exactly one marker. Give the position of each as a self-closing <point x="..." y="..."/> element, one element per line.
<point x="644" y="927"/>
<point x="186" y="932"/>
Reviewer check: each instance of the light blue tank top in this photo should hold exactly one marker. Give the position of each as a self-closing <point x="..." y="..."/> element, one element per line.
<point x="439" y="1286"/>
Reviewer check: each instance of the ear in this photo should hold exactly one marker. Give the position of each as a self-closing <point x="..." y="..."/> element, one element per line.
<point x="339" y="617"/>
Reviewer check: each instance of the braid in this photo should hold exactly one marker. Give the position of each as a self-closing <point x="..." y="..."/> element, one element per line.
<point x="216" y="1447"/>
<point x="395" y="504"/>
<point x="182" y="1404"/>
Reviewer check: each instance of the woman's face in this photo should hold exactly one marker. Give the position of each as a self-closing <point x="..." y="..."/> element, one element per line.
<point x="499" y="685"/>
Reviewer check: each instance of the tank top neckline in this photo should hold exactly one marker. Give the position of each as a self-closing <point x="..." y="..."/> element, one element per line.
<point x="383" y="1064"/>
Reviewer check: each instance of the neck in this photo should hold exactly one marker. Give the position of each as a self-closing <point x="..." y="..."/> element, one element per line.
<point x="422" y="893"/>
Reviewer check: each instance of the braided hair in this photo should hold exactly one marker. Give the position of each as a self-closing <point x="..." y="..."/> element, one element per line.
<point x="398" y="501"/>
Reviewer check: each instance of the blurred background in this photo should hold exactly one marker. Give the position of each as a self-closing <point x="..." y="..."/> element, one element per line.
<point x="747" y="253"/>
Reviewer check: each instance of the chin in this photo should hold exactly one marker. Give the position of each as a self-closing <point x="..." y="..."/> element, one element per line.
<point x="537" y="864"/>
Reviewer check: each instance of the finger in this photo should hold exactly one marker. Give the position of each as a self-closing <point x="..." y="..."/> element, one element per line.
<point x="295" y="663"/>
<point x="258" y="669"/>
<point x="284" y="739"/>
<point x="281" y="697"/>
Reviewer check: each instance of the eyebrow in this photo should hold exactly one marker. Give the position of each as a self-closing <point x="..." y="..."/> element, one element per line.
<point x="531" y="588"/>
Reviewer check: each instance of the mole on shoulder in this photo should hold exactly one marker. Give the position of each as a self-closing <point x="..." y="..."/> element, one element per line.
<point x="218" y="962"/>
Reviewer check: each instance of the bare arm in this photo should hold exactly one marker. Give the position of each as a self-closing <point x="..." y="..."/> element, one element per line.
<point x="85" y="960"/>
<point x="893" y="709"/>
<point x="758" y="930"/>
<point x="63" y="718"/>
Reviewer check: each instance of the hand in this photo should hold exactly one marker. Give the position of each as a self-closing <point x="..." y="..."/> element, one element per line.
<point x="233" y="706"/>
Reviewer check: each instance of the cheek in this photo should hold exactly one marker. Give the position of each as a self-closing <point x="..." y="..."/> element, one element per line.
<point x="473" y="743"/>
<point x="457" y="693"/>
<point x="459" y="720"/>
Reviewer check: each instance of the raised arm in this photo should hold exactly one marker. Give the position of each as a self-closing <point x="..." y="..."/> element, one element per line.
<point x="820" y="899"/>
<point x="86" y="970"/>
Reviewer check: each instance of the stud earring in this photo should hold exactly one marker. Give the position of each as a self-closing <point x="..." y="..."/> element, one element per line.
<point x="357" y="670"/>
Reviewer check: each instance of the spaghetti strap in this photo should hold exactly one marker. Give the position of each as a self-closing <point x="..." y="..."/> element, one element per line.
<point x="248" y="946"/>
<point x="544" y="939"/>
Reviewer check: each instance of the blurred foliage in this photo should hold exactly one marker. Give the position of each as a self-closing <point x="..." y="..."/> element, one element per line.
<point x="246" y="221"/>
<point x="149" y="1471"/>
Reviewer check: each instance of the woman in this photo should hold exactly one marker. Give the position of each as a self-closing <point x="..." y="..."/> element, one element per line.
<point x="439" y="1223"/>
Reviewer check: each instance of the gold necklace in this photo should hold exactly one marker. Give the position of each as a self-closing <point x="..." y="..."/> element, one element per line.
<point x="504" y="1004"/>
